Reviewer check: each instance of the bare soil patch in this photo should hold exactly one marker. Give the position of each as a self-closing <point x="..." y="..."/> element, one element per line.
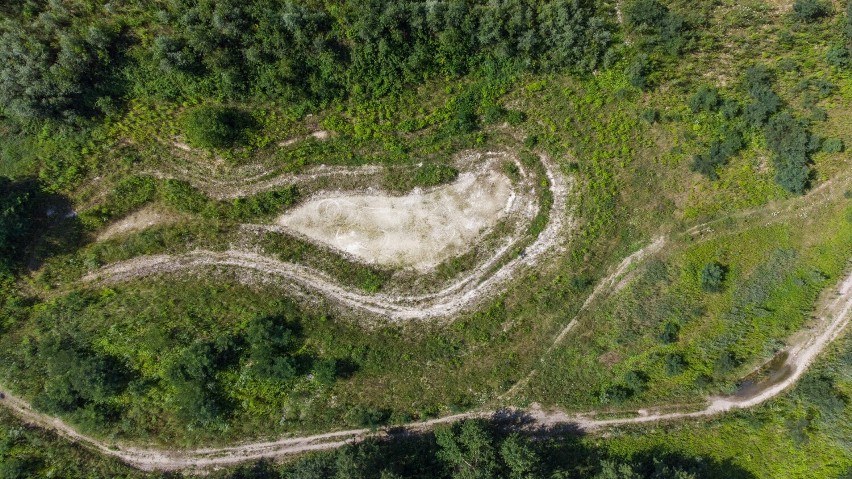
<point x="137" y="221"/>
<point x="419" y="230"/>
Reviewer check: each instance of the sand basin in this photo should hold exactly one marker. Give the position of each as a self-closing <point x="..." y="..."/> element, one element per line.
<point x="418" y="230"/>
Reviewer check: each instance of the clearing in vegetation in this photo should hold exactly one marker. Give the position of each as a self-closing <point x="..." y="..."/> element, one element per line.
<point x="420" y="230"/>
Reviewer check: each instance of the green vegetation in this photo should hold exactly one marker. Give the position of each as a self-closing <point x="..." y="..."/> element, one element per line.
<point x="216" y="126"/>
<point x="662" y="114"/>
<point x="712" y="277"/>
<point x="811" y="10"/>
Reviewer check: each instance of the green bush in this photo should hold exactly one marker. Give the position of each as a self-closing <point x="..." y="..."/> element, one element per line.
<point x="645" y="14"/>
<point x="832" y="145"/>
<point x="791" y="143"/>
<point x="515" y="117"/>
<point x="364" y="416"/>
<point x="811" y="10"/>
<point x="426" y="175"/>
<point x="721" y="151"/>
<point x="726" y="363"/>
<point x="183" y="196"/>
<point x="16" y="218"/>
<point x="838" y="56"/>
<point x="705" y="99"/>
<point x="638" y="70"/>
<point x="261" y="204"/>
<point x="271" y="343"/>
<point x="675" y="364"/>
<point x="712" y="277"/>
<point x="670" y="332"/>
<point x="650" y="115"/>
<point x="216" y="126"/>
<point x="492" y="114"/>
<point x="661" y="28"/>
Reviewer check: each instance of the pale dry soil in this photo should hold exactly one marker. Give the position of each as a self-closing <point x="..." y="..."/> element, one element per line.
<point x="137" y="221"/>
<point x="419" y="230"/>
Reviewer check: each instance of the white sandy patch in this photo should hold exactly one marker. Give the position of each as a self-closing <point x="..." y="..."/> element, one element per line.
<point x="138" y="221"/>
<point x="419" y="230"/>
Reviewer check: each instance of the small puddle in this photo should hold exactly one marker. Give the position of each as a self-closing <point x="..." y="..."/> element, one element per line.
<point x="774" y="372"/>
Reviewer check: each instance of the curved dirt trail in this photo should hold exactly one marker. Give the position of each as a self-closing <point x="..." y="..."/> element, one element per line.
<point x="831" y="323"/>
<point x="458" y="296"/>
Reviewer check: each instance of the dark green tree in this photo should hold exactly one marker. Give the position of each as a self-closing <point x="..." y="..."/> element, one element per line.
<point x="467" y="449"/>
<point x="520" y="458"/>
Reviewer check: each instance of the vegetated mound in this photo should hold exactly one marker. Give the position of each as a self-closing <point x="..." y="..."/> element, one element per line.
<point x="418" y="230"/>
<point x="216" y="126"/>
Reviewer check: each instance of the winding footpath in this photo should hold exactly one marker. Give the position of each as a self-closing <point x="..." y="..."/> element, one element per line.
<point x="832" y="320"/>
<point x="461" y="294"/>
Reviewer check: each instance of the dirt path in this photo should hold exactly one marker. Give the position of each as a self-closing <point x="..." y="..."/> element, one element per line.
<point x="249" y="182"/>
<point x="832" y="321"/>
<point x="463" y="293"/>
<point x="613" y="283"/>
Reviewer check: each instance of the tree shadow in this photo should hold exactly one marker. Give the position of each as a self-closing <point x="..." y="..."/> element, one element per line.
<point x="36" y="224"/>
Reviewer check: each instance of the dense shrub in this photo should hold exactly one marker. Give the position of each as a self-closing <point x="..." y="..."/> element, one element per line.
<point x="638" y="70"/>
<point x="305" y="51"/>
<point x="675" y="364"/>
<point x="791" y="143"/>
<point x="705" y="99"/>
<point x="197" y="395"/>
<point x="271" y="343"/>
<point x="726" y="363"/>
<point x="811" y="10"/>
<point x="764" y="101"/>
<point x="838" y="56"/>
<point x="424" y="176"/>
<point x="645" y="14"/>
<point x="216" y="126"/>
<point x="712" y="277"/>
<point x="659" y="27"/>
<point x="720" y="152"/>
<point x="78" y="377"/>
<point x="261" y="204"/>
<point x="16" y="218"/>
<point x="183" y="196"/>
<point x="847" y="30"/>
<point x="670" y="332"/>
<point x="364" y="416"/>
<point x="478" y="449"/>
<point x="832" y="145"/>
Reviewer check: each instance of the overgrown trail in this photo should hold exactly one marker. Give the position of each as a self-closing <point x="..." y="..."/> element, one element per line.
<point x="832" y="321"/>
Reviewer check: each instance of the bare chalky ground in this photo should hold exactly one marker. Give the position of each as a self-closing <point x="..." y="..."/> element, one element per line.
<point x="418" y="230"/>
